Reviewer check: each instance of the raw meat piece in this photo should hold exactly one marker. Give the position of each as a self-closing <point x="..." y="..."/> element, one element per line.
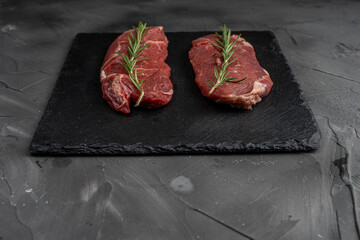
<point x="117" y="88"/>
<point x="239" y="95"/>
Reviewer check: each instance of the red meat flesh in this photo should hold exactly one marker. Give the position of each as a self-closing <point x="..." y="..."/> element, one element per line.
<point x="243" y="94"/>
<point x="117" y="88"/>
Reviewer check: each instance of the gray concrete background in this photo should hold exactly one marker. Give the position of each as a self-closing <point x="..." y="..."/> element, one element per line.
<point x="259" y="196"/>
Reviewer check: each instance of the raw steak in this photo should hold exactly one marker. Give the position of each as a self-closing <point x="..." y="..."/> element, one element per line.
<point x="239" y="95"/>
<point x="117" y="88"/>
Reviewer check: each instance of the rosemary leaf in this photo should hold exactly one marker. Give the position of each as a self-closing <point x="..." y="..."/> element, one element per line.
<point x="134" y="50"/>
<point x="227" y="49"/>
<point x="211" y="81"/>
<point x="233" y="60"/>
<point x="230" y="80"/>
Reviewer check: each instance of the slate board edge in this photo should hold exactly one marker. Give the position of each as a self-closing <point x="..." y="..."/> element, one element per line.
<point x="138" y="149"/>
<point x="117" y="149"/>
<point x="315" y="139"/>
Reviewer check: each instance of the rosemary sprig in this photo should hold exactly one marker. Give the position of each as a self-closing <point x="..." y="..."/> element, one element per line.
<point x="227" y="49"/>
<point x="134" y="50"/>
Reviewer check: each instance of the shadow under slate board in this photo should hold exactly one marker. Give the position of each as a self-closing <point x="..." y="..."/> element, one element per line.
<point x="77" y="121"/>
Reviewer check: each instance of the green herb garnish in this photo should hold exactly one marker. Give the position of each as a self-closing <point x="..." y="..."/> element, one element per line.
<point x="227" y="49"/>
<point x="134" y="50"/>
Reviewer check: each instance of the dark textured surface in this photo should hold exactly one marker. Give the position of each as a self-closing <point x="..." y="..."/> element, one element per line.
<point x="78" y="121"/>
<point x="311" y="195"/>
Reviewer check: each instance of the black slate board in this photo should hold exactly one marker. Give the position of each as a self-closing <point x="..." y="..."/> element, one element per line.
<point x="78" y="121"/>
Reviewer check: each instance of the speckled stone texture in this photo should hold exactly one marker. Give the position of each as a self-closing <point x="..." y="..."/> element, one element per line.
<point x="78" y="121"/>
<point x="280" y="196"/>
